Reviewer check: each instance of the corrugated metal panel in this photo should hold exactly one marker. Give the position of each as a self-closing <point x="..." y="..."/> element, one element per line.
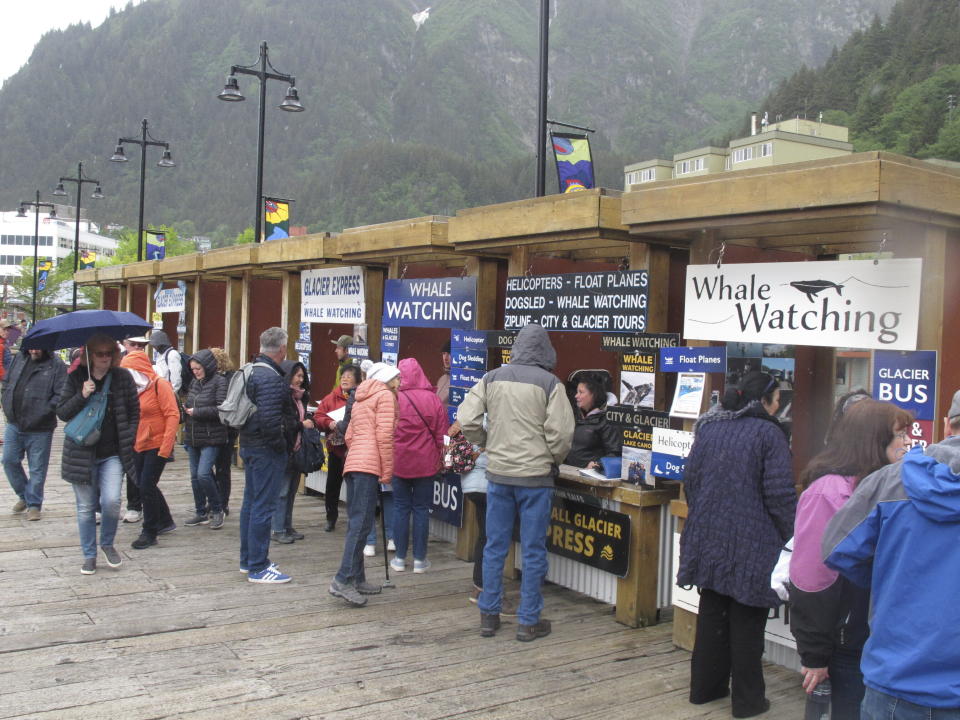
<point x="667" y="573"/>
<point x="442" y="531"/>
<point x="781" y="655"/>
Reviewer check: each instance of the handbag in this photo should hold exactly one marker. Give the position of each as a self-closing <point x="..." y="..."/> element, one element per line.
<point x="309" y="456"/>
<point x="84" y="428"/>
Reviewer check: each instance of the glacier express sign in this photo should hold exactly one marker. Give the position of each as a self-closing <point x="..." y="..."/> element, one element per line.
<point x="332" y="295"/>
<point x="835" y="304"/>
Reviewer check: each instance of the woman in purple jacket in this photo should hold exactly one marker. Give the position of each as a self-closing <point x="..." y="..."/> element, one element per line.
<point x="740" y="506"/>
<point x="418" y="450"/>
<point x="828" y="612"/>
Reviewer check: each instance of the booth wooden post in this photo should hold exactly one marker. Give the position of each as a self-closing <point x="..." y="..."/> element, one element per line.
<point x="373" y="279"/>
<point x="290" y="310"/>
<point x="233" y="320"/>
<point x="191" y="341"/>
<point x="151" y="305"/>
<point x="637" y="592"/>
<point x="244" y="320"/>
<point x="126" y="297"/>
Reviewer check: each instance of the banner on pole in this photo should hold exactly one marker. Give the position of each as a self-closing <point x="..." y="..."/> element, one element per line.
<point x="276" y="216"/>
<point x="156" y="245"/>
<point x="574" y="162"/>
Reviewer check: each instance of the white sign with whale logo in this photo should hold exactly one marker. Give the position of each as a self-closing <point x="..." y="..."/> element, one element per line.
<point x="859" y="303"/>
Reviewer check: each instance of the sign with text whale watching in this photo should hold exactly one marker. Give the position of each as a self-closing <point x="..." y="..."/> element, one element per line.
<point x="855" y="303"/>
<point x="614" y="301"/>
<point x="332" y="295"/>
<point x="431" y="302"/>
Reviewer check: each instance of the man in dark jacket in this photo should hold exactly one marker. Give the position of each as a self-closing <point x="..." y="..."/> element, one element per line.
<point x="528" y="434"/>
<point x="264" y="449"/>
<point x="31" y="391"/>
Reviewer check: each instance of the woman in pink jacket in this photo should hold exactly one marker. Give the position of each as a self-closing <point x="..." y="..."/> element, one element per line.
<point x="369" y="462"/>
<point x="418" y="449"/>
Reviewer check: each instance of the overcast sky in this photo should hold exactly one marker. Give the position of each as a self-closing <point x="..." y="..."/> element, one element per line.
<point x="25" y="21"/>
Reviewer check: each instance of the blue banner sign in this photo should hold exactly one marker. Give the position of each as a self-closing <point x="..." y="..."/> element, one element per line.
<point x="447" y="502"/>
<point x="433" y="302"/>
<point x="464" y="378"/>
<point x="390" y="339"/>
<point x="693" y="359"/>
<point x="468" y="340"/>
<point x="670" y="449"/>
<point x="457" y="395"/>
<point x="908" y="379"/>
<point x="303" y="347"/>
<point x="360" y="352"/>
<point x="468" y="359"/>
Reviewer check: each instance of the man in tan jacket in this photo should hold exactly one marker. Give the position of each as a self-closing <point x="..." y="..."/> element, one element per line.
<point x="529" y="432"/>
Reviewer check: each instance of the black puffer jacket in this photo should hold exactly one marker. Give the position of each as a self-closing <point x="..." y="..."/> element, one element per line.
<point x="594" y="438"/>
<point x="203" y="428"/>
<point x="36" y="411"/>
<point x="78" y="461"/>
<point x="269" y="391"/>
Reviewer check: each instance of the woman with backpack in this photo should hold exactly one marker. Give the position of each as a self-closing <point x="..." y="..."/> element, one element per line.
<point x="204" y="435"/>
<point x="421" y="426"/>
<point x="295" y="374"/>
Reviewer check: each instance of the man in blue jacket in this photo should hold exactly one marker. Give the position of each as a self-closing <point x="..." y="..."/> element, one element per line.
<point x="899" y="535"/>
<point x="264" y="449"/>
<point x="31" y="391"/>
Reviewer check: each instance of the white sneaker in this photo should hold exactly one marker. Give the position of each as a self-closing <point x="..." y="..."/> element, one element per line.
<point x="98" y="518"/>
<point x="421" y="566"/>
<point x="390" y="546"/>
<point x="369" y="550"/>
<point x="132" y="516"/>
<point x="398" y="565"/>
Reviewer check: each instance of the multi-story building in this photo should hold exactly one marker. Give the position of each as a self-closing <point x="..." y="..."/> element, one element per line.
<point x="56" y="239"/>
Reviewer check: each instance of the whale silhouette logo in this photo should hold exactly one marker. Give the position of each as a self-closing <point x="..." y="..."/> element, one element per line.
<point x="814" y="287"/>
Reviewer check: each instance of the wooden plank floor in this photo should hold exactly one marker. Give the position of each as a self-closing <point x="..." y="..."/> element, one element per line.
<point x="177" y="632"/>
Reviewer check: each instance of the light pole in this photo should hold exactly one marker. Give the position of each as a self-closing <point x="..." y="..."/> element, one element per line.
<point x="166" y="160"/>
<point x="543" y="80"/>
<point x="97" y="194"/>
<point x="22" y="212"/>
<point x="291" y="103"/>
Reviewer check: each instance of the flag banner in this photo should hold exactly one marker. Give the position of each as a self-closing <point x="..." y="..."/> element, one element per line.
<point x="43" y="272"/>
<point x="276" y="215"/>
<point x="156" y="245"/>
<point x="574" y="162"/>
<point x="88" y="259"/>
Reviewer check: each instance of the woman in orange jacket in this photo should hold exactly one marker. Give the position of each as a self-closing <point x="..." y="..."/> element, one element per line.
<point x="156" y="434"/>
<point x="369" y="462"/>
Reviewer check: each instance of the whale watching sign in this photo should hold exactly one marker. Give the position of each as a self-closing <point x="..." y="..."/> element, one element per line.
<point x="855" y="303"/>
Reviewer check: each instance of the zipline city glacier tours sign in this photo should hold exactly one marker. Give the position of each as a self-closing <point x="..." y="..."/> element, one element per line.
<point x="845" y="303"/>
<point x="612" y="301"/>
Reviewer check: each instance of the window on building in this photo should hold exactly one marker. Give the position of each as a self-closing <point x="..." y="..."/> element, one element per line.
<point x="765" y="149"/>
<point x="699" y="164"/>
<point x="682" y="167"/>
<point x="648" y="175"/>
<point x="743" y="154"/>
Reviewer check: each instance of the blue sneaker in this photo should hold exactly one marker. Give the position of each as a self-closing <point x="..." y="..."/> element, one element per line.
<point x="270" y="575"/>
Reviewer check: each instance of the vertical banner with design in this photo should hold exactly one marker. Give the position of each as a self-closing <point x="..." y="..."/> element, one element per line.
<point x="276" y="218"/>
<point x="574" y="161"/>
<point x="88" y="259"/>
<point x="43" y="272"/>
<point x="156" y="245"/>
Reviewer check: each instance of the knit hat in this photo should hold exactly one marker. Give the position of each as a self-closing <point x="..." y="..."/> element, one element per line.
<point x="446" y="347"/>
<point x="159" y="339"/>
<point x="954" y="407"/>
<point x="343" y="341"/>
<point x="366" y="365"/>
<point x="382" y="372"/>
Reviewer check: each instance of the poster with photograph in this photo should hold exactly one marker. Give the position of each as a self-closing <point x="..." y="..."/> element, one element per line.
<point x="636" y="466"/>
<point x="638" y="379"/>
<point x="688" y="397"/>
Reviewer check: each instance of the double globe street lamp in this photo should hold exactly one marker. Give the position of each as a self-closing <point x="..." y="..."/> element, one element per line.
<point x="22" y="212"/>
<point x="97" y="194"/>
<point x="166" y="161"/>
<point x="291" y="103"/>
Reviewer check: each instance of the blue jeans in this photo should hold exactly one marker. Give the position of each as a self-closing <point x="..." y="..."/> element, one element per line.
<point x="880" y="706"/>
<point x="103" y="494"/>
<point x="846" y="682"/>
<point x="361" y="507"/>
<point x="283" y="508"/>
<point x="388" y="512"/>
<point x="415" y="494"/>
<point x="36" y="447"/>
<point x="206" y="495"/>
<point x="504" y="504"/>
<point x="263" y="473"/>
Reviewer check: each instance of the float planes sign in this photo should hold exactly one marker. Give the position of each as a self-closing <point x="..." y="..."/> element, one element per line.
<point x="858" y="303"/>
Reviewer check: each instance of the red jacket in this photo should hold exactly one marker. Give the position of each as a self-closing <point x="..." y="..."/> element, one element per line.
<point x="159" y="413"/>
<point x="370" y="434"/>
<point x="333" y="401"/>
<point x="421" y="424"/>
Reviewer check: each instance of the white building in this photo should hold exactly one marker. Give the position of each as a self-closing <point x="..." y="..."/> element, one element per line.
<point x="56" y="238"/>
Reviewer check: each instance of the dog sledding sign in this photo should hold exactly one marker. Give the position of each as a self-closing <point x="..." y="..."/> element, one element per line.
<point x="843" y="303"/>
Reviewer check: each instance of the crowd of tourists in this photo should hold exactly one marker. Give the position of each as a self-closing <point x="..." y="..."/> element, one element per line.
<point x="870" y="547"/>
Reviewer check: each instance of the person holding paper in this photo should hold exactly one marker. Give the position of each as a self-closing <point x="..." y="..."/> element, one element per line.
<point x="330" y="412"/>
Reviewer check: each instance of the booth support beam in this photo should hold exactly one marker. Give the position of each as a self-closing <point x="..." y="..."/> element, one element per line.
<point x="244" y="324"/>
<point x="192" y="341"/>
<point x="232" y="319"/>
<point x="148" y="312"/>
<point x="290" y="310"/>
<point x="373" y="280"/>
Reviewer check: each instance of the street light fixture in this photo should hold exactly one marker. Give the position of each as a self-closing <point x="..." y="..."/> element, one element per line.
<point x="22" y="213"/>
<point x="143" y="141"/>
<point x="97" y="194"/>
<point x="291" y="103"/>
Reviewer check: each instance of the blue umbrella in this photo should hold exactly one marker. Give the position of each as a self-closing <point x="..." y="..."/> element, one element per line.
<point x="73" y="329"/>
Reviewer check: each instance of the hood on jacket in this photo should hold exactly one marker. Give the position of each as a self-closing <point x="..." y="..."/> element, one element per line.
<point x="368" y="388"/>
<point x="932" y="480"/>
<point x="412" y="376"/>
<point x="532" y="347"/>
<point x="289" y="367"/>
<point x="140" y="367"/>
<point x="159" y="340"/>
<point x="208" y="361"/>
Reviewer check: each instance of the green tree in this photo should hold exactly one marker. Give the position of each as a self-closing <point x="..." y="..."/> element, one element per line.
<point x="127" y="247"/>
<point x="55" y="288"/>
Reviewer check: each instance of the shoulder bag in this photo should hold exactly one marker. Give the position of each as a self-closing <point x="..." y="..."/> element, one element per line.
<point x="84" y="428"/>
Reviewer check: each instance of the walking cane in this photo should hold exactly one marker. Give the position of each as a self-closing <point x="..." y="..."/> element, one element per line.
<point x="387" y="583"/>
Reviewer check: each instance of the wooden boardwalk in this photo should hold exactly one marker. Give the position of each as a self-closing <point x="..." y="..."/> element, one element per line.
<point x="177" y="632"/>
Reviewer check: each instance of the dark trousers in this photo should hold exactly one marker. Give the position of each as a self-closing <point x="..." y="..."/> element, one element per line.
<point x="729" y="645"/>
<point x="134" y="498"/>
<point x="156" y="513"/>
<point x="479" y="501"/>
<point x="846" y="682"/>
<point x="331" y="496"/>
<point x="221" y="472"/>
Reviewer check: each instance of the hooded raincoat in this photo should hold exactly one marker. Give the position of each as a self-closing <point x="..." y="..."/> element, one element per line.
<point x="370" y="435"/>
<point x="159" y="412"/>
<point x="421" y="424"/>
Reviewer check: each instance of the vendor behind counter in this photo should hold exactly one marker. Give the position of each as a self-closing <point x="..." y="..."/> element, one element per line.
<point x="593" y="437"/>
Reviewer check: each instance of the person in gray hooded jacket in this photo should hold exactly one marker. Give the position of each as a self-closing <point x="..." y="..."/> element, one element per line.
<point x="529" y="432"/>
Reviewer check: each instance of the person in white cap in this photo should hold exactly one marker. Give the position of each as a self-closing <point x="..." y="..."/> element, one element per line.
<point x="369" y="462"/>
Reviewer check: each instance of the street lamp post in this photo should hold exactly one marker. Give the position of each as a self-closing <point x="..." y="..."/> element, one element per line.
<point x="291" y="103"/>
<point x="97" y="194"/>
<point x="166" y="160"/>
<point x="22" y="212"/>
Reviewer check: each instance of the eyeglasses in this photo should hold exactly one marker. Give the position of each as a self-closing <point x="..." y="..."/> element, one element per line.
<point x="102" y="353"/>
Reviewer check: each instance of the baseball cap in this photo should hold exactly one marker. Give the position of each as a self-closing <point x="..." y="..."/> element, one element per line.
<point x="343" y="341"/>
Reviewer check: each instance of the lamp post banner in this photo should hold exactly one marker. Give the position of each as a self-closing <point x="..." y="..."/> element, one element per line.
<point x="431" y="302"/>
<point x="870" y="304"/>
<point x="332" y="295"/>
<point x="614" y="301"/>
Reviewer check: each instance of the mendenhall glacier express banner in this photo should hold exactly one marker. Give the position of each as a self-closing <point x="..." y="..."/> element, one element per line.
<point x="843" y="303"/>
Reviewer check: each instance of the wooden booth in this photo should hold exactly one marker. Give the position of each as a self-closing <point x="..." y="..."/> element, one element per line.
<point x="867" y="206"/>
